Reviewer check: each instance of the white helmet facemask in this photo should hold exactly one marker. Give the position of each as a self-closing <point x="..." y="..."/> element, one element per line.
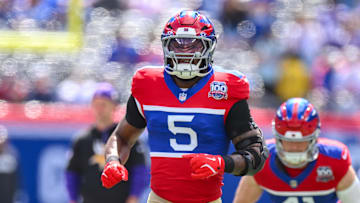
<point x="297" y="159"/>
<point x="186" y="70"/>
<point x="187" y="55"/>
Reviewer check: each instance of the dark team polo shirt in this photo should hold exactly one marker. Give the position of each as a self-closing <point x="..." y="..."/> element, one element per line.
<point x="88" y="161"/>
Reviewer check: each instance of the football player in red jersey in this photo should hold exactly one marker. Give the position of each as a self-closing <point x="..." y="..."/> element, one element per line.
<point x="301" y="167"/>
<point x="192" y="111"/>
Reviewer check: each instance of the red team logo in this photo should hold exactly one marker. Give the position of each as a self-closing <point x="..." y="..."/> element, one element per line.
<point x="218" y="90"/>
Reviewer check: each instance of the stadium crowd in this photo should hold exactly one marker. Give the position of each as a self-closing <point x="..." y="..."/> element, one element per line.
<point x="286" y="48"/>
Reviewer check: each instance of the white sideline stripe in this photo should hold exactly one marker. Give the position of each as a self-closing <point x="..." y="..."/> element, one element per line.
<point x="167" y="154"/>
<point x="184" y="110"/>
<point x="300" y="193"/>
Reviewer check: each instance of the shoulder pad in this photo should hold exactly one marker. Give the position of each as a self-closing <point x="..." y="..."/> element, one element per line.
<point x="143" y="77"/>
<point x="334" y="149"/>
<point x="238" y="84"/>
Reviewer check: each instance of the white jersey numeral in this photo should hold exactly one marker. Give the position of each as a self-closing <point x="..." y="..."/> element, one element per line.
<point x="296" y="200"/>
<point x="291" y="200"/>
<point x="183" y="130"/>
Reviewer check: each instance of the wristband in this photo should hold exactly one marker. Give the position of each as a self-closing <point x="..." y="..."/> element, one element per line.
<point x="113" y="158"/>
<point x="229" y="164"/>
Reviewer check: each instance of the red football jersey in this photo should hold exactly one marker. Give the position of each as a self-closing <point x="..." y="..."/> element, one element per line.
<point x="181" y="121"/>
<point x="316" y="183"/>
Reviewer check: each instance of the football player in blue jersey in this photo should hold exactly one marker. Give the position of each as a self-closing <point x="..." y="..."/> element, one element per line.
<point x="301" y="167"/>
<point x="192" y="111"/>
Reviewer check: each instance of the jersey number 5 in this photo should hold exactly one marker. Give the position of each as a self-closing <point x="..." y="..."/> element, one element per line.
<point x="183" y="130"/>
<point x="296" y="200"/>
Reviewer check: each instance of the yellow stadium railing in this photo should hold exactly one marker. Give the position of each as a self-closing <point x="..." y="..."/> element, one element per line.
<point x="45" y="41"/>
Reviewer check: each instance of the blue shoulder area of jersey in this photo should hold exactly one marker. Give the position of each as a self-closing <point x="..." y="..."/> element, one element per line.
<point x="233" y="72"/>
<point x="330" y="150"/>
<point x="271" y="148"/>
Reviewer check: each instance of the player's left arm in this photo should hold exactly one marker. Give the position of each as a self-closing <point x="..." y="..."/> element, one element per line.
<point x="251" y="151"/>
<point x="348" y="189"/>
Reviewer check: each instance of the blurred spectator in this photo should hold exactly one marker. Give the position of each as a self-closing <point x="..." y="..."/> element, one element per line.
<point x="123" y="52"/>
<point x="76" y="89"/>
<point x="5" y="9"/>
<point x="14" y="89"/>
<point x="123" y="31"/>
<point x="87" y="160"/>
<point x="42" y="90"/>
<point x="8" y="169"/>
<point x="40" y="10"/>
<point x="294" y="80"/>
<point x="110" y="4"/>
<point x="233" y="13"/>
<point x="322" y="73"/>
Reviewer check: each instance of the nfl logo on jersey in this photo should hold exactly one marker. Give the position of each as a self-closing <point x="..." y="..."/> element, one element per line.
<point x="293" y="183"/>
<point x="182" y="96"/>
<point x="218" y="90"/>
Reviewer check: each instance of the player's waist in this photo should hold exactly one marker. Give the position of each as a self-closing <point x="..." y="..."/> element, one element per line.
<point x="174" y="169"/>
<point x="170" y="165"/>
<point x="166" y="154"/>
<point x="186" y="190"/>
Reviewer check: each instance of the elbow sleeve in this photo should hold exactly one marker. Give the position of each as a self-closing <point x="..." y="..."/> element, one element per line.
<point x="255" y="153"/>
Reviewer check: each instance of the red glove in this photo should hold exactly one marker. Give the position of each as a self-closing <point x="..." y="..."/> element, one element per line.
<point x="113" y="173"/>
<point x="205" y="165"/>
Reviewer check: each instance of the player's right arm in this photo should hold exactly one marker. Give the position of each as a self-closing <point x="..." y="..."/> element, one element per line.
<point x="119" y="144"/>
<point x="121" y="141"/>
<point x="248" y="190"/>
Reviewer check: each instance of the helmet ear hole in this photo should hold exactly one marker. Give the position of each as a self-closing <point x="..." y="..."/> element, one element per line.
<point x="202" y="64"/>
<point x="169" y="62"/>
<point x="204" y="28"/>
